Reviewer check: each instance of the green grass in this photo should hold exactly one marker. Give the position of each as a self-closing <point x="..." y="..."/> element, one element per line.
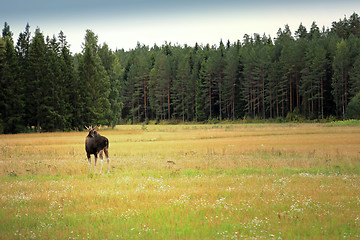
<point x="351" y="122"/>
<point x="190" y="205"/>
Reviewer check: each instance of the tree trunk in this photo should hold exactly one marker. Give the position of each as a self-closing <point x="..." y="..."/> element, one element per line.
<point x="210" y="107"/>
<point x="271" y="105"/>
<point x="145" y="100"/>
<point x="233" y="101"/>
<point x="291" y="107"/>
<point x="263" y="94"/>
<point x="168" y="97"/>
<point x="297" y="91"/>
<point x="322" y="97"/>
<point x="183" y="106"/>
<point x="346" y="92"/>
<point x="282" y="102"/>
<point x="220" y="100"/>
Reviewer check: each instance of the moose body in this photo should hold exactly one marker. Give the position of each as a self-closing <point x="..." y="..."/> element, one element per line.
<point x="96" y="144"/>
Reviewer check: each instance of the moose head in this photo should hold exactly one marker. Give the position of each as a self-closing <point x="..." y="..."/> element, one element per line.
<point x="93" y="130"/>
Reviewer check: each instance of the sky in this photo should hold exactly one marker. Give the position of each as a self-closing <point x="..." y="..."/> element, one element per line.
<point x="123" y="23"/>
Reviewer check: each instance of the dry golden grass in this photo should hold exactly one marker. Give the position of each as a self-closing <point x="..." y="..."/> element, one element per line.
<point x="189" y="146"/>
<point x="283" y="181"/>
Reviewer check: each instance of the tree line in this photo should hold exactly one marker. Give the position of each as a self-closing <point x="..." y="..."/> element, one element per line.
<point x="311" y="74"/>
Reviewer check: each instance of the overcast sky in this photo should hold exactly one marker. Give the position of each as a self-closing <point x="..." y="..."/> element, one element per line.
<point x="123" y="23"/>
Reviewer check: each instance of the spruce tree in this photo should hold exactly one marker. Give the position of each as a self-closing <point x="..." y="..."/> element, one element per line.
<point x="340" y="77"/>
<point x="202" y="96"/>
<point x="11" y="98"/>
<point x="94" y="82"/>
<point x="181" y="88"/>
<point x="37" y="97"/>
<point x="355" y="77"/>
<point x="71" y="87"/>
<point x="231" y="73"/>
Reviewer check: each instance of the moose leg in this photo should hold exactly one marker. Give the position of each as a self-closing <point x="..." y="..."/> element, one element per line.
<point x="102" y="160"/>
<point x="95" y="162"/>
<point x="107" y="158"/>
<point x="89" y="159"/>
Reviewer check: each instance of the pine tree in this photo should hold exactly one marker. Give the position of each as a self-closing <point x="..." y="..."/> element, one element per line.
<point x="158" y="86"/>
<point x="219" y="76"/>
<point x="11" y="98"/>
<point x="202" y="102"/>
<point x="320" y="65"/>
<point x="287" y="60"/>
<point x="181" y="88"/>
<point x="355" y="77"/>
<point x="231" y="77"/>
<point x="38" y="110"/>
<point x="22" y="51"/>
<point x="114" y="70"/>
<point x="209" y="77"/>
<point x="301" y="33"/>
<point x="95" y="83"/>
<point x="130" y="93"/>
<point x="137" y="84"/>
<point x="56" y="99"/>
<point x="195" y="65"/>
<point x="256" y="58"/>
<point x="71" y="89"/>
<point x="6" y="32"/>
<point x="313" y="78"/>
<point x="340" y="77"/>
<point x="115" y="97"/>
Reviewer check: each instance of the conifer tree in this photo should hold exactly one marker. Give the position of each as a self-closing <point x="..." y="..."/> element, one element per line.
<point x="115" y="97"/>
<point x="95" y="83"/>
<point x="158" y="86"/>
<point x="231" y="77"/>
<point x="340" y="77"/>
<point x="71" y="86"/>
<point x="181" y="88"/>
<point x="202" y="102"/>
<point x="38" y="110"/>
<point x="355" y="77"/>
<point x="11" y="98"/>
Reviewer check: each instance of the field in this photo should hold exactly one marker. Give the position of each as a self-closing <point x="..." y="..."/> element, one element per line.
<point x="226" y="181"/>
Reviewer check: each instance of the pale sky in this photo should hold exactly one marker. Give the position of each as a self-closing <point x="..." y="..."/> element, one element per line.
<point x="123" y="23"/>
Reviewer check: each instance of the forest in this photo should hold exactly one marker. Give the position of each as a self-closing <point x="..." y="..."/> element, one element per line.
<point x="306" y="75"/>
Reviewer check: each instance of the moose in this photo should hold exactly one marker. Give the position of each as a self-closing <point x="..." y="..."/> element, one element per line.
<point x="96" y="144"/>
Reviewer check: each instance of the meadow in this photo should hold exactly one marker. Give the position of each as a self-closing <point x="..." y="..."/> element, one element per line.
<point x="223" y="181"/>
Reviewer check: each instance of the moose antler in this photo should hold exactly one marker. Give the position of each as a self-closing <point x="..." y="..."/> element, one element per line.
<point x="96" y="128"/>
<point x="89" y="128"/>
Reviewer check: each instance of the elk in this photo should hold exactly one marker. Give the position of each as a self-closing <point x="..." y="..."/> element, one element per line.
<point x="96" y="144"/>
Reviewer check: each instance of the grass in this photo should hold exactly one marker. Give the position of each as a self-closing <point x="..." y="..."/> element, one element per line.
<point x="288" y="181"/>
<point x="351" y="122"/>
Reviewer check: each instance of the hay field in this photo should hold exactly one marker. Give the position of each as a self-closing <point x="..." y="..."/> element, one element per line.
<point x="271" y="181"/>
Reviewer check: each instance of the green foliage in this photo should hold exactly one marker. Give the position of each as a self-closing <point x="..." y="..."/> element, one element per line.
<point x="295" y="116"/>
<point x="351" y="122"/>
<point x="340" y="77"/>
<point x="202" y="95"/>
<point x="353" y="108"/>
<point x="355" y="77"/>
<point x="182" y="93"/>
<point x="11" y="108"/>
<point x="309" y="75"/>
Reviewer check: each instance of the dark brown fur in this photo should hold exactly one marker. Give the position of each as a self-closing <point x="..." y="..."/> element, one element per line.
<point x="96" y="144"/>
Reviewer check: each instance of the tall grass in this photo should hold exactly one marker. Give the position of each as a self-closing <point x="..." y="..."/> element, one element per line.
<point x="184" y="182"/>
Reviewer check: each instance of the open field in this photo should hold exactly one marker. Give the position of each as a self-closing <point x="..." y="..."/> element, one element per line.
<point x="271" y="181"/>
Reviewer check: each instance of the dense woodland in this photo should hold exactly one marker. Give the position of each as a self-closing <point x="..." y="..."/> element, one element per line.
<point x="309" y="74"/>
